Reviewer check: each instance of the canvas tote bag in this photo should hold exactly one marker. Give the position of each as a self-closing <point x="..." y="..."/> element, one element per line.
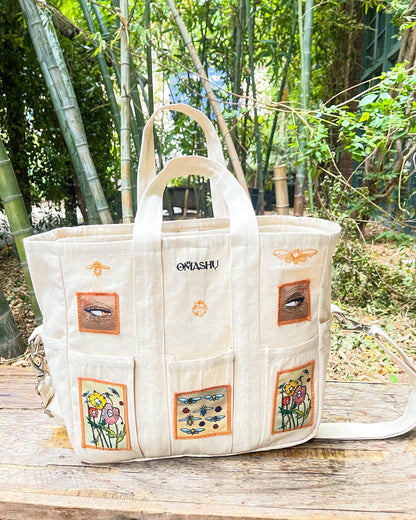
<point x="198" y="337"/>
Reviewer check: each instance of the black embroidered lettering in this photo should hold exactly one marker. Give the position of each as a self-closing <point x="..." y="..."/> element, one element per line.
<point x="197" y="266"/>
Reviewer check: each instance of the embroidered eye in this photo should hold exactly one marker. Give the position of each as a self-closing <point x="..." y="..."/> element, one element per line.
<point x="295" y="301"/>
<point x="99" y="312"/>
<point x="294" y="304"/>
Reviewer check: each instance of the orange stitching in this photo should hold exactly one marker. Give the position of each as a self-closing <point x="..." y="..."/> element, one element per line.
<point x="200" y="308"/>
<point x="81" y="325"/>
<point x="202" y="390"/>
<point x="125" y="417"/>
<point x="279" y="307"/>
<point x="97" y="268"/>
<point x="312" y="391"/>
<point x="295" y="255"/>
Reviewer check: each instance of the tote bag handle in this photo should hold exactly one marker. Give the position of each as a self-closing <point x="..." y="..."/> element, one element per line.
<point x="244" y="276"/>
<point x="147" y="167"/>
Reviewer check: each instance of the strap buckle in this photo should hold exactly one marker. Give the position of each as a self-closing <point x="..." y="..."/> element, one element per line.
<point x="348" y="324"/>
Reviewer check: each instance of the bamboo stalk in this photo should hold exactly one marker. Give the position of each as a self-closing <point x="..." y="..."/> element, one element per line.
<point x="281" y="191"/>
<point x="200" y="70"/>
<point x="149" y="61"/>
<point x="125" y="162"/>
<point x="20" y="225"/>
<point x="250" y="33"/>
<point x="11" y="341"/>
<point x="102" y="64"/>
<point x="56" y="75"/>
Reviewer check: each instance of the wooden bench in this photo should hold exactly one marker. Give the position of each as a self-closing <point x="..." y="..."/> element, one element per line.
<point x="40" y="476"/>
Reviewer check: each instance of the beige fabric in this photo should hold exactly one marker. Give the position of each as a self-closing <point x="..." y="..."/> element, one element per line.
<point x="175" y="338"/>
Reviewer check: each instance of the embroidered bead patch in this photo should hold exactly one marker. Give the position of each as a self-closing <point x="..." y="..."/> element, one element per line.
<point x="295" y="255"/>
<point x="203" y="413"/>
<point x="294" y="399"/>
<point x="98" y="312"/>
<point x="104" y="421"/>
<point x="294" y="302"/>
<point x="97" y="268"/>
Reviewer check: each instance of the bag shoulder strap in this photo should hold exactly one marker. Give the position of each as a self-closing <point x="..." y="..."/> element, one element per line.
<point x="376" y="430"/>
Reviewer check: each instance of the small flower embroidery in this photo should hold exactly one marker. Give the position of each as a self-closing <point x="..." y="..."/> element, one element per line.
<point x="97" y="268"/>
<point x="291" y="387"/>
<point x="200" y="308"/>
<point x="110" y="415"/>
<point x="299" y="395"/>
<point x="295" y="256"/>
<point x="97" y="400"/>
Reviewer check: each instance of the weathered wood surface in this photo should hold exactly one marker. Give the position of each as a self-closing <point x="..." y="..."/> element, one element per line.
<point x="41" y="478"/>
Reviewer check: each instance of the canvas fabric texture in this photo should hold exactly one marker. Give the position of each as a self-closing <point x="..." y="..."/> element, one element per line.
<point x="204" y="337"/>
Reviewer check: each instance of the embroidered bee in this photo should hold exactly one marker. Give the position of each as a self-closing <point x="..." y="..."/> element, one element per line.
<point x="189" y="400"/>
<point x="296" y="255"/>
<point x="192" y="431"/>
<point x="203" y="410"/>
<point x="190" y="419"/>
<point x="97" y="268"/>
<point x="216" y="418"/>
<point x="214" y="397"/>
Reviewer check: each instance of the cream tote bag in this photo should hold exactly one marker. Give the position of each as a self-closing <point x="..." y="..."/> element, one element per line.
<point x="203" y="337"/>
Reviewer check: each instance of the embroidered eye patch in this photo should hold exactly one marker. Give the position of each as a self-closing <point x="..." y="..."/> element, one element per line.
<point x="294" y="302"/>
<point x="98" y="313"/>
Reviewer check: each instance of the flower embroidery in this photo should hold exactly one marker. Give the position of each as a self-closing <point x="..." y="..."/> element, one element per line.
<point x="103" y="415"/>
<point x="291" y="387"/>
<point x="294" y="399"/>
<point x="299" y="395"/>
<point x="97" y="400"/>
<point x="200" y="308"/>
<point x="209" y="423"/>
<point x="110" y="415"/>
<point x="295" y="256"/>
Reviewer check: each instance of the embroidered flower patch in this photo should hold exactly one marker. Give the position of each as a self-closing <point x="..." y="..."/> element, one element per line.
<point x="98" y="312"/>
<point x="104" y="422"/>
<point x="294" y="399"/>
<point x="203" y="413"/>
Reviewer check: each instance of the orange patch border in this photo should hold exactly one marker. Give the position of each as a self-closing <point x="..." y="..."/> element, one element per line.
<point x="278" y="374"/>
<point x="308" y="317"/>
<point x="125" y="417"/>
<point x="175" y="415"/>
<point x="117" y="311"/>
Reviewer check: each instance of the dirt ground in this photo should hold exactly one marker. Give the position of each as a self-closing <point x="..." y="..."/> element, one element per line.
<point x="353" y="357"/>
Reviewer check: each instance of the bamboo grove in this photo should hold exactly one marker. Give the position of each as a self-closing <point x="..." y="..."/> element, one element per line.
<point x="79" y="79"/>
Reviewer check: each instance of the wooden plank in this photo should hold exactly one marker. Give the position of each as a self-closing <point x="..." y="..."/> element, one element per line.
<point x="40" y="476"/>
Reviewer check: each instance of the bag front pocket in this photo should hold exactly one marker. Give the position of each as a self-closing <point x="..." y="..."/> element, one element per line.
<point x="200" y="393"/>
<point x="292" y="393"/>
<point x="102" y="393"/>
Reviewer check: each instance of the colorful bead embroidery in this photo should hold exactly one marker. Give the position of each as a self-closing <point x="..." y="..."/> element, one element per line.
<point x="296" y="255"/>
<point x="200" y="308"/>
<point x="97" y="268"/>
<point x="98" y="313"/>
<point x="294" y="399"/>
<point x="203" y="413"/>
<point x="294" y="302"/>
<point x="104" y="421"/>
